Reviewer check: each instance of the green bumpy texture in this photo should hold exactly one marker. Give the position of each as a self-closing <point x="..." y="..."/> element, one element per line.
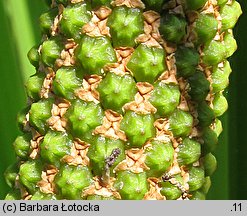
<point x="187" y="60"/>
<point x="171" y="191"/>
<point x="147" y="63"/>
<point x="39" y="113"/>
<point x="138" y="128"/>
<point x="22" y="145"/>
<point x="125" y="25"/>
<point x="54" y="146"/>
<point x="189" y="151"/>
<point x="83" y="117"/>
<point x="34" y="85"/>
<point x="30" y="174"/>
<point x="94" y="53"/>
<point x="51" y="50"/>
<point x="66" y="82"/>
<point x="115" y="91"/>
<point x="205" y="28"/>
<point x="71" y="180"/>
<point x="165" y="98"/>
<point x="173" y="27"/>
<point x="73" y="19"/>
<point x="159" y="158"/>
<point x="100" y="149"/>
<point x="180" y="123"/>
<point x="131" y="186"/>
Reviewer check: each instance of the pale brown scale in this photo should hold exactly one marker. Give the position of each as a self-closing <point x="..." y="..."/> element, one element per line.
<point x="88" y="90"/>
<point x="67" y="57"/>
<point x="47" y="83"/>
<point x="78" y="156"/>
<point x="110" y="127"/>
<point x="98" y="189"/>
<point x="144" y="87"/>
<point x="151" y="36"/>
<point x="141" y="103"/>
<point x="129" y="3"/>
<point x="183" y="104"/>
<point x="147" y="29"/>
<point x="35" y="143"/>
<point x="103" y="12"/>
<point x="98" y="24"/>
<point x="178" y="10"/>
<point x="47" y="185"/>
<point x="56" y="121"/>
<point x="134" y="161"/>
<point x="154" y="190"/>
<point x="123" y="55"/>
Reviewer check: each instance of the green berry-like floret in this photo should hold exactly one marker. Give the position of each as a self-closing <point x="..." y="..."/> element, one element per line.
<point x="54" y="146"/>
<point x="217" y="127"/>
<point x="131" y="186"/>
<point x="173" y="27"/>
<point x="165" y="98"/>
<point x="34" y="85"/>
<point x="205" y="114"/>
<point x="171" y="191"/>
<point x="220" y="104"/>
<point x="105" y="154"/>
<point x="66" y="81"/>
<point x="147" y="63"/>
<point x="94" y="53"/>
<point x="199" y="86"/>
<point x="205" y="28"/>
<point x="210" y="140"/>
<point x="181" y="123"/>
<point x="83" y="117"/>
<point x="159" y="158"/>
<point x="74" y="17"/>
<point x="196" y="178"/>
<point x="230" y="14"/>
<point x="30" y="174"/>
<point x="138" y="128"/>
<point x="206" y="186"/>
<point x="125" y="25"/>
<point x="116" y="90"/>
<point x="230" y="43"/>
<point x="22" y="145"/>
<point x="46" y="20"/>
<point x="71" y="180"/>
<point x="189" y="151"/>
<point x="220" y="77"/>
<point x="214" y="52"/>
<point x="21" y="118"/>
<point x="187" y="60"/>
<point x="51" y="50"/>
<point x="34" y="56"/>
<point x="209" y="164"/>
<point x="39" y="113"/>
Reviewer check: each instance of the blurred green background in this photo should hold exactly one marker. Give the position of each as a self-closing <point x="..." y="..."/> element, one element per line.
<point x="19" y="31"/>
